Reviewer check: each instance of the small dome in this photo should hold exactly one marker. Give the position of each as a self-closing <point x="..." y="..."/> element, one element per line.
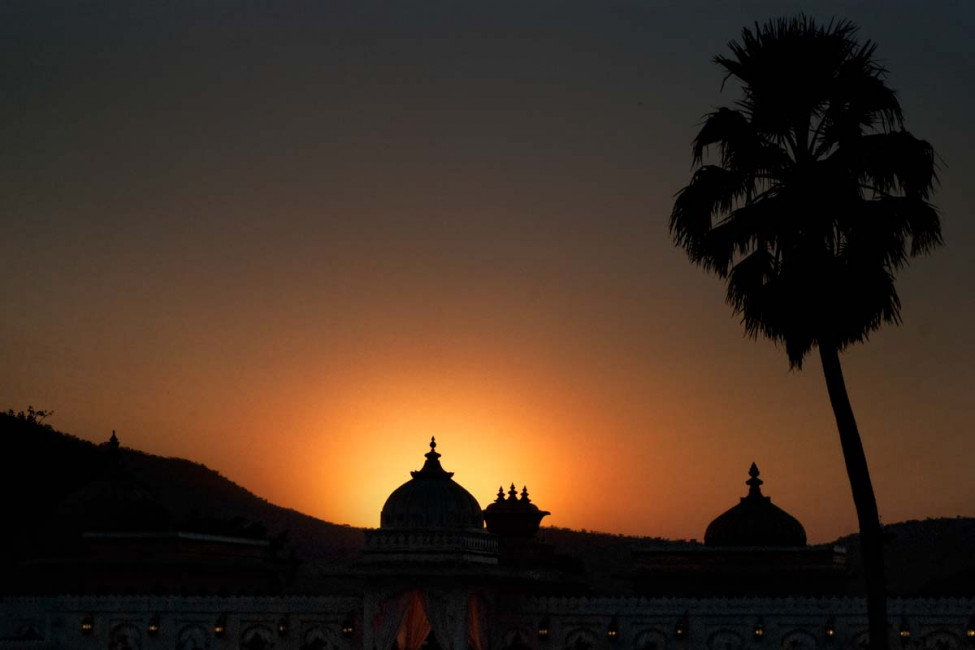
<point x="431" y="500"/>
<point x="513" y="517"/>
<point x="755" y="522"/>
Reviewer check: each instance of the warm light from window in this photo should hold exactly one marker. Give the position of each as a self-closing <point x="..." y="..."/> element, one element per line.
<point x="220" y="627"/>
<point x="153" y="627"/>
<point x="759" y="630"/>
<point x="680" y="629"/>
<point x="87" y="624"/>
<point x="543" y="629"/>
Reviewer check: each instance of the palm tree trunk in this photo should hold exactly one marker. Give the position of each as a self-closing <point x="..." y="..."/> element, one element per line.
<point x="871" y="537"/>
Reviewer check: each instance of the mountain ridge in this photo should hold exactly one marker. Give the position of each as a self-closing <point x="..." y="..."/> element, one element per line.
<point x="65" y="485"/>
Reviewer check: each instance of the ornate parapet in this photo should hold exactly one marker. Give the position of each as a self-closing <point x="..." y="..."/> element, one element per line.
<point x="337" y="623"/>
<point x="181" y="622"/>
<point x="392" y="545"/>
<point x="724" y="623"/>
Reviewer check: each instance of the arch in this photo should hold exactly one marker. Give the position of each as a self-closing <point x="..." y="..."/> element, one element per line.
<point x="478" y="622"/>
<point x="650" y="639"/>
<point x="860" y="640"/>
<point x="125" y="636"/>
<point x="581" y="639"/>
<point x="517" y="638"/>
<point x="799" y="640"/>
<point x="725" y="640"/>
<point x="318" y="637"/>
<point x="940" y="640"/>
<point x="257" y="637"/>
<point x="192" y="637"/>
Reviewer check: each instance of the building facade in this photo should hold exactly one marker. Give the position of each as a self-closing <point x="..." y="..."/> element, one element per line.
<point x="432" y="577"/>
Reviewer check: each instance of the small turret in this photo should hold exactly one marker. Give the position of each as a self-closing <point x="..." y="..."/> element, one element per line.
<point x="513" y="517"/>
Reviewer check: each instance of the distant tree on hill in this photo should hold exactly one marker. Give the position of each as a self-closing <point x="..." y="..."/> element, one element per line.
<point x="31" y="416"/>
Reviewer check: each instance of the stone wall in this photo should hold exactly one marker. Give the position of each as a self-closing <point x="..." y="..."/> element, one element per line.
<point x="727" y="623"/>
<point x="286" y="623"/>
<point x="183" y="623"/>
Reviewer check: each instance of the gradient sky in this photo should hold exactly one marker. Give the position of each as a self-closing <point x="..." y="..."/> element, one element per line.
<point x="293" y="239"/>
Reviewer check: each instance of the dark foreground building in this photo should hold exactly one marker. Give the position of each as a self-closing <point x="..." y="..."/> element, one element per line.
<point x="433" y="577"/>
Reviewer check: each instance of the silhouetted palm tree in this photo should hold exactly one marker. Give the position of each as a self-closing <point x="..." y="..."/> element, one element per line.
<point x="818" y="197"/>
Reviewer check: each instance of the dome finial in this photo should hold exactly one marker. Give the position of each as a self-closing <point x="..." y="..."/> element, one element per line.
<point x="524" y="494"/>
<point x="512" y="493"/>
<point x="500" y="498"/>
<point x="432" y="466"/>
<point x="754" y="483"/>
<point x="432" y="454"/>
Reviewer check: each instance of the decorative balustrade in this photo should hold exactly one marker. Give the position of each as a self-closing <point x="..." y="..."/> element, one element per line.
<point x="406" y="541"/>
<point x="569" y="623"/>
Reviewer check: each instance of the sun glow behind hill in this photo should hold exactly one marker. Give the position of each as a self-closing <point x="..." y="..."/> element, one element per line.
<point x="292" y="242"/>
<point x="488" y="436"/>
<point x="495" y="426"/>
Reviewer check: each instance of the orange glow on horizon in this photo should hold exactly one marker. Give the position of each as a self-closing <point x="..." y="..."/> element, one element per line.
<point x="486" y="440"/>
<point x="293" y="244"/>
<point x="494" y="426"/>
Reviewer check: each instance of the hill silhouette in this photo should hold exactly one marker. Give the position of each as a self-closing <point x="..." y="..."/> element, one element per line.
<point x="56" y="486"/>
<point x="932" y="557"/>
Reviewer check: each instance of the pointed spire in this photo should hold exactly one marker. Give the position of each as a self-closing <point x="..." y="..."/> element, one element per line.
<point x="432" y="467"/>
<point x="113" y="457"/>
<point x="754" y="483"/>
<point x="512" y="517"/>
<point x="432" y="454"/>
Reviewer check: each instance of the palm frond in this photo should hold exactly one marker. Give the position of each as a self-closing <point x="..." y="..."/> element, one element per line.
<point x="864" y="299"/>
<point x="893" y="162"/>
<point x="818" y="196"/>
<point x="713" y="190"/>
<point x="727" y="128"/>
<point x="748" y="291"/>
<point x="899" y="220"/>
<point x="860" y="102"/>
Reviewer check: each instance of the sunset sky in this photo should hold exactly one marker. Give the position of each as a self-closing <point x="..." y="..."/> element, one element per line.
<point x="294" y="239"/>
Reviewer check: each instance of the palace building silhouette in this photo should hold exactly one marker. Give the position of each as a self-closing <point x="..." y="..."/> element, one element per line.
<point x="443" y="573"/>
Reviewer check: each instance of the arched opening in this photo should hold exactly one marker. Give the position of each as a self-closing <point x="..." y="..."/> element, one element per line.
<point x="414" y="631"/>
<point x="417" y="620"/>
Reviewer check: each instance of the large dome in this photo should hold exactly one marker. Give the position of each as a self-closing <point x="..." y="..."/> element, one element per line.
<point x="755" y="522"/>
<point x="431" y="500"/>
